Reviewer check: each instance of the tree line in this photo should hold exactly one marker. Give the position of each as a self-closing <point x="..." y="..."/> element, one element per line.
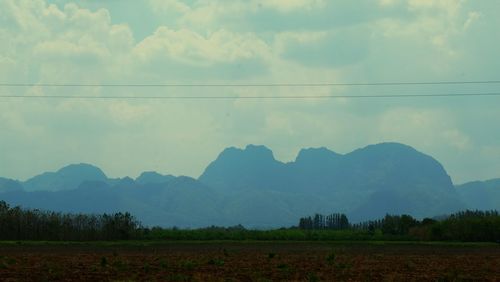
<point x="479" y="226"/>
<point x="390" y="224"/>
<point x="32" y="224"/>
<point x="469" y="225"/>
<point x="26" y="224"/>
<point x="334" y="221"/>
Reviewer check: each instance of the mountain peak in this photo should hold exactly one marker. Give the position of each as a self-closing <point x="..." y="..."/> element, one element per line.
<point x="249" y="167"/>
<point x="8" y="185"/>
<point x="388" y="147"/>
<point x="153" y="177"/>
<point x="257" y="148"/>
<point x="126" y="182"/>
<point x="251" y="153"/>
<point x="82" y="170"/>
<point x="66" y="178"/>
<point x="260" y="151"/>
<point x="316" y="155"/>
<point x="397" y="152"/>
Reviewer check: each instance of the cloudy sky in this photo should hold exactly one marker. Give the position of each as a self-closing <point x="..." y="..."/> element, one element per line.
<point x="245" y="42"/>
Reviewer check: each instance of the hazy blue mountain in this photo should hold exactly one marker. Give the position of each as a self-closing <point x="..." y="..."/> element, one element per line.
<point x="250" y="187"/>
<point x="153" y="177"/>
<point x="484" y="195"/>
<point x="394" y="165"/>
<point x="90" y="197"/>
<point x="314" y="167"/>
<point x="349" y="183"/>
<point x="126" y="182"/>
<point x="396" y="178"/>
<point x="252" y="168"/>
<point x="67" y="178"/>
<point x="9" y="185"/>
<point x="268" y="209"/>
<point x="182" y="202"/>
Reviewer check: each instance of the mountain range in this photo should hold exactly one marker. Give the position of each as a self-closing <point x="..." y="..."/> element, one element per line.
<point x="250" y="187"/>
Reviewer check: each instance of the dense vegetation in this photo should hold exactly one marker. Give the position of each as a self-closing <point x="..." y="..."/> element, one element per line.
<point x="21" y="224"/>
<point x="462" y="226"/>
<point x="334" y="221"/>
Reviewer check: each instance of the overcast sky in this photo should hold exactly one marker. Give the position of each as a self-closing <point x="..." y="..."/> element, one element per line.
<point x="254" y="41"/>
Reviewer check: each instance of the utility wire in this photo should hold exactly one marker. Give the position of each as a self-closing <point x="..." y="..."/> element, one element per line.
<point x="253" y="97"/>
<point x="252" y="85"/>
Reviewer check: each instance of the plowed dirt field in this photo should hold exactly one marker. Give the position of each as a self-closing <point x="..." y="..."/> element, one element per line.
<point x="248" y="261"/>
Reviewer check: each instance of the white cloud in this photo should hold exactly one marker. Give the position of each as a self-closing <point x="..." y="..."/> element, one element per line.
<point x="64" y="50"/>
<point x="450" y="6"/>
<point x="472" y="18"/>
<point x="14" y="124"/>
<point x="427" y="128"/>
<point x="388" y="3"/>
<point x="190" y="47"/>
<point x="169" y="6"/>
<point x="239" y="42"/>
<point x="125" y="113"/>
<point x="210" y="15"/>
<point x="291" y="5"/>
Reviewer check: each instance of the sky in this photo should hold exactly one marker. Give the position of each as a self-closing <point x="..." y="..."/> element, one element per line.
<point x="245" y="42"/>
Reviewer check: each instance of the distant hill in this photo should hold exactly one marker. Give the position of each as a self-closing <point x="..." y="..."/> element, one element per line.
<point x="253" y="168"/>
<point x="67" y="178"/>
<point x="153" y="177"/>
<point x="348" y="183"/>
<point x="249" y="186"/>
<point x="483" y="195"/>
<point x="182" y="202"/>
<point x="9" y="185"/>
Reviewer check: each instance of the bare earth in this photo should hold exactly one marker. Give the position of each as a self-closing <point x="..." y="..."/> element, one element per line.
<point x="248" y="261"/>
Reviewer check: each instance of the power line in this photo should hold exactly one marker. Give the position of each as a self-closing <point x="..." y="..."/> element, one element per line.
<point x="377" y="96"/>
<point x="252" y="85"/>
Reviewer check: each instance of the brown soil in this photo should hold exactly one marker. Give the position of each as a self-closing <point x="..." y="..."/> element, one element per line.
<point x="249" y="262"/>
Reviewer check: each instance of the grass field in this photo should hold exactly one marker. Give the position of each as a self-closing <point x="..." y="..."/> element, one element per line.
<point x="248" y="261"/>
